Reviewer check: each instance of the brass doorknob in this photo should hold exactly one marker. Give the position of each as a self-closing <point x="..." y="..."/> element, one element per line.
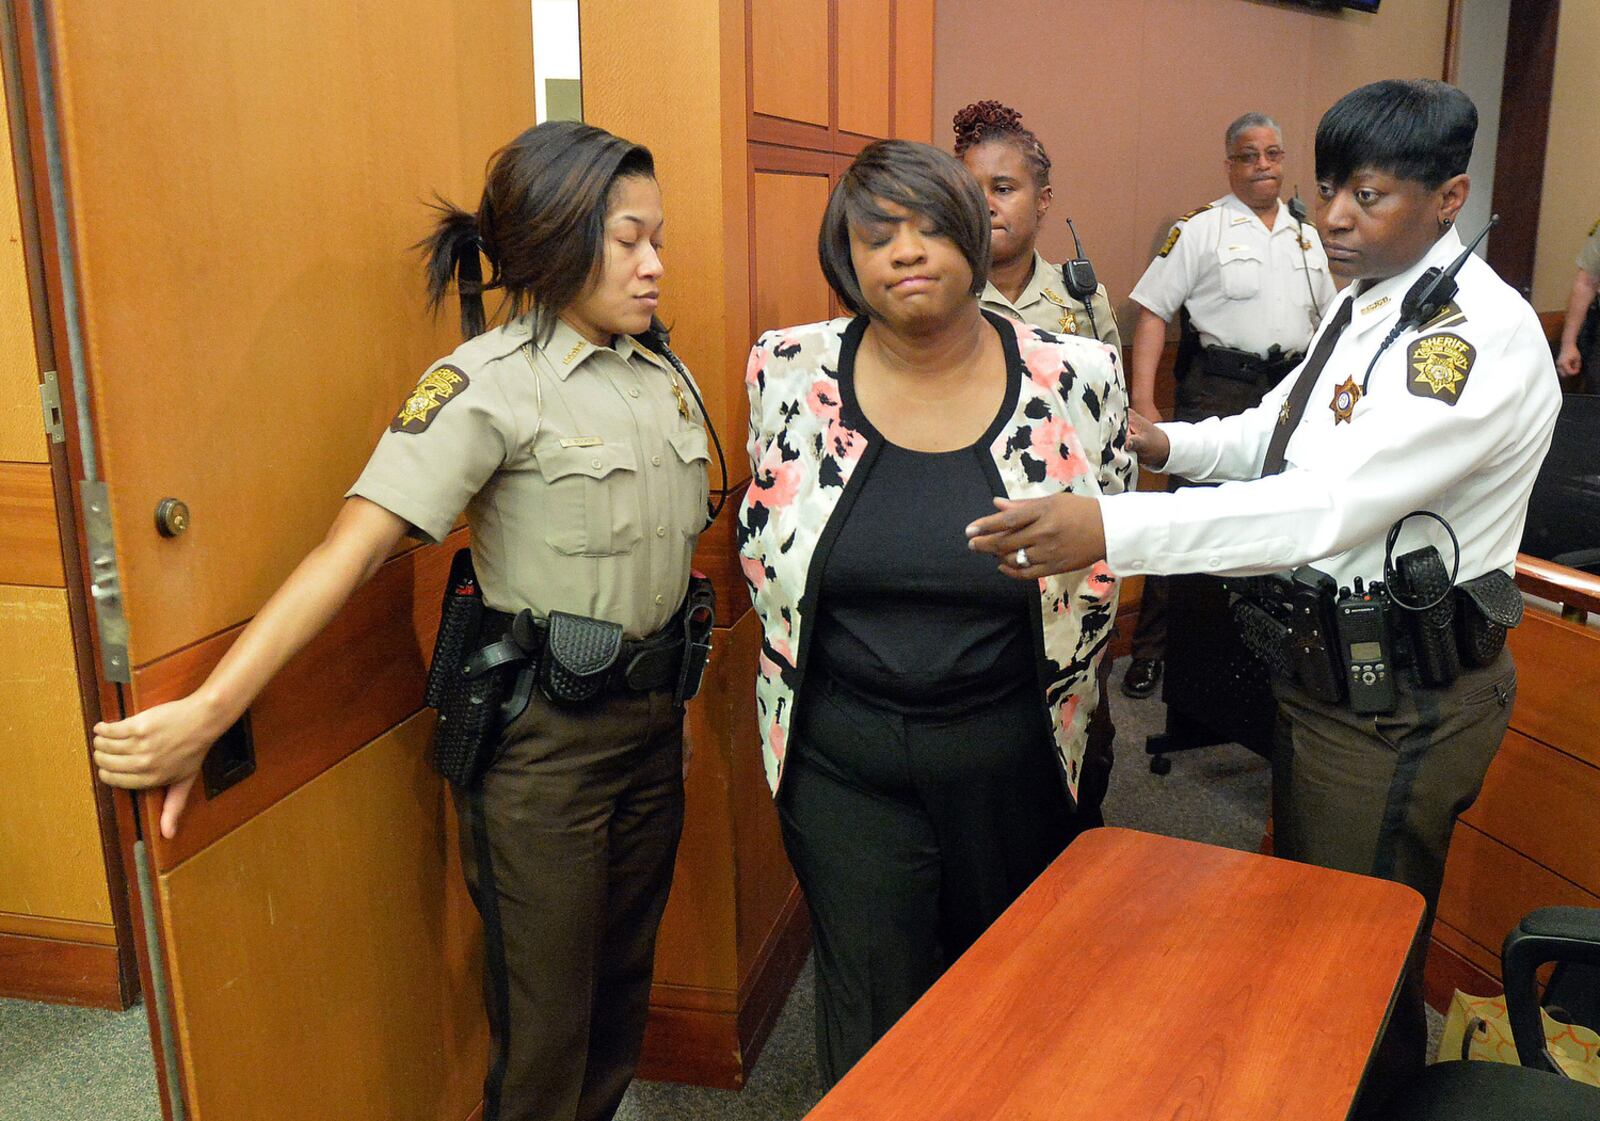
<point x="172" y="517"/>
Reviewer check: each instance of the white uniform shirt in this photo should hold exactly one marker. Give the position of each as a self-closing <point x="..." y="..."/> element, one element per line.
<point x="1456" y="419"/>
<point x="1245" y="286"/>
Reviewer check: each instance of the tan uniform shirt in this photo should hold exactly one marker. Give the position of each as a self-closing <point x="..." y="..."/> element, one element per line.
<point x="1589" y="255"/>
<point x="582" y="477"/>
<point x="1246" y="287"/>
<point x="1045" y="304"/>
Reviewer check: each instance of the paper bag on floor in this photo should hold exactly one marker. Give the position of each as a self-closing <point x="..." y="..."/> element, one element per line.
<point x="1477" y="1027"/>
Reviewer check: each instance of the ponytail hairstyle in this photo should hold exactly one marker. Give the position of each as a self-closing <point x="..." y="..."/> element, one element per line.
<point x="983" y="121"/>
<point x="540" y="224"/>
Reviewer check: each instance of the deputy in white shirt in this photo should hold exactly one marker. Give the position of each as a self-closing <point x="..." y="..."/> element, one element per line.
<point x="1455" y="418"/>
<point x="1253" y="283"/>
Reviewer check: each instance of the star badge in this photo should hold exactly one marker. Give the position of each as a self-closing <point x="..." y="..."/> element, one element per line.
<point x="1344" y="401"/>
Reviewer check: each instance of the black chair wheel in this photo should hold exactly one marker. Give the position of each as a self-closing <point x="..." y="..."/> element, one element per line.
<point x="1160" y="765"/>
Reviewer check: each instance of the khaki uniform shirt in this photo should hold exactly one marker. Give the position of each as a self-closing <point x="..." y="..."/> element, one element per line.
<point x="1044" y="303"/>
<point x="1589" y="255"/>
<point x="1246" y="287"/>
<point x="581" y="471"/>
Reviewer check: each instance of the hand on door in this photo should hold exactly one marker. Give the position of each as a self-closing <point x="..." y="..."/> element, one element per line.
<point x="162" y="746"/>
<point x="165" y="745"/>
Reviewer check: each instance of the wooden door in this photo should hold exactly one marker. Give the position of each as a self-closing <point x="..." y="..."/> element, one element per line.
<point x="228" y="196"/>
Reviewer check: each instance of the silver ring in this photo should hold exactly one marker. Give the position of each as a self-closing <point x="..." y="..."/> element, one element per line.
<point x="1022" y="558"/>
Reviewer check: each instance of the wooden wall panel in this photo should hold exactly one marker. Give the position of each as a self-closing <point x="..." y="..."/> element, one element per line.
<point x="1489" y="886"/>
<point x="324" y="130"/>
<point x="343" y="905"/>
<point x="789" y="52"/>
<point x="1543" y="803"/>
<point x="30" y="547"/>
<point x="21" y="421"/>
<point x="44" y="768"/>
<point x="787" y="281"/>
<point x="1558" y="684"/>
<point x="866" y="60"/>
<point x="913" y="70"/>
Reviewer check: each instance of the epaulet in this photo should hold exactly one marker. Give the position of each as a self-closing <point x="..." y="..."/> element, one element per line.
<point x="1196" y="210"/>
<point x="1594" y="227"/>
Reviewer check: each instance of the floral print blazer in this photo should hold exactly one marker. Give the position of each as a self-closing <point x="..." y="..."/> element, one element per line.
<point x="1067" y="432"/>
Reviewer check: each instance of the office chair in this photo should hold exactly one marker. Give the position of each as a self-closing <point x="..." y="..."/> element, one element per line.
<point x="1482" y="1091"/>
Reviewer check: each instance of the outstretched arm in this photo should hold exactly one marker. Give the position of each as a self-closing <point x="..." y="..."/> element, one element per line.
<point x="164" y="745"/>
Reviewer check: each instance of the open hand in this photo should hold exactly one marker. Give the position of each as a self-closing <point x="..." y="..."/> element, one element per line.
<point x="1060" y="533"/>
<point x="162" y="746"/>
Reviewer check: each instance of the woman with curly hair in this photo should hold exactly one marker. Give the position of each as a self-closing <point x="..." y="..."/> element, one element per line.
<point x="1013" y="169"/>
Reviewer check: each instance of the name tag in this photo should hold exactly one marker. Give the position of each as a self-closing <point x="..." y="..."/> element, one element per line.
<point x="582" y="442"/>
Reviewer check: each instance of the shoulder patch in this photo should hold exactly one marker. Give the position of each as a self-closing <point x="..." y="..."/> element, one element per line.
<point x="1437" y="366"/>
<point x="438" y="387"/>
<point x="1172" y="239"/>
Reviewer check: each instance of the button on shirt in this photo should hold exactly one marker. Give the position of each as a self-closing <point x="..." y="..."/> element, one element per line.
<point x="583" y="483"/>
<point x="1045" y="304"/>
<point x="1456" y="419"/>
<point x="1245" y="286"/>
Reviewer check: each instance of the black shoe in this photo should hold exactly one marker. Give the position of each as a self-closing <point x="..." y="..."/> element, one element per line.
<point x="1142" y="677"/>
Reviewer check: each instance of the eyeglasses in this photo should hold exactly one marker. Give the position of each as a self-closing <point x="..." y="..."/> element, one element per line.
<point x="1250" y="157"/>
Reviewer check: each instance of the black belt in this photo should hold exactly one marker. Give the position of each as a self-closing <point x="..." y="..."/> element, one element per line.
<point x="1246" y="366"/>
<point x="645" y="665"/>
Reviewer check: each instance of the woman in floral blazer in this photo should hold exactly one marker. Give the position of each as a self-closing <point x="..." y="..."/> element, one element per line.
<point x="921" y="713"/>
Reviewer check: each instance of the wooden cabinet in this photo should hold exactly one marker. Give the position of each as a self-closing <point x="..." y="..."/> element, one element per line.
<point x="768" y="101"/>
<point x="1532" y="839"/>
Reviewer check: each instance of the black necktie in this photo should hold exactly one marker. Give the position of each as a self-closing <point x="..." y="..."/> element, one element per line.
<point x="1294" y="406"/>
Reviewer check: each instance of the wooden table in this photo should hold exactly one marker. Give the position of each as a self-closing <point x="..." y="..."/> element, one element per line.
<point x="1144" y="977"/>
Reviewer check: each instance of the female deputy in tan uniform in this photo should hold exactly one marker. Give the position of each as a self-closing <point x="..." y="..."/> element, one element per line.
<point x="579" y="460"/>
<point x="1014" y="171"/>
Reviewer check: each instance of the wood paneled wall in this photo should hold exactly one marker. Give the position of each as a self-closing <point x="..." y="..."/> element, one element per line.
<point x="57" y="937"/>
<point x="768" y="101"/>
<point x="1533" y="837"/>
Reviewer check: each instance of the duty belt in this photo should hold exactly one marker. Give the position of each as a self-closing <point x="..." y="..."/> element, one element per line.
<point x="1244" y="365"/>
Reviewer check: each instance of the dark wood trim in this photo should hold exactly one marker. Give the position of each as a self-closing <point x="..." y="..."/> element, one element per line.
<point x="1558" y="582"/>
<point x="1552" y="323"/>
<point x="762" y="129"/>
<point x="1452" y="42"/>
<point x="1524" y="137"/>
<point x="1446" y="971"/>
<point x="693" y="1036"/>
<point x="41" y="252"/>
<point x="59" y="972"/>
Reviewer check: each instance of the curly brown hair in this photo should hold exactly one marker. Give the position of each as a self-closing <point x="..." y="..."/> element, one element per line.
<point x="983" y="121"/>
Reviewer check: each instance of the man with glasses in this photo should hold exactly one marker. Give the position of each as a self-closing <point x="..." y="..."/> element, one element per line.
<point x="1251" y="283"/>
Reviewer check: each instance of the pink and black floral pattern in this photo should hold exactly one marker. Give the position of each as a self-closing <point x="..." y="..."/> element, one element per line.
<point x="1067" y="433"/>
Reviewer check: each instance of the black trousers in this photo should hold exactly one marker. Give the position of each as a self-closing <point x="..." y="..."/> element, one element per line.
<point x="1200" y="395"/>
<point x="910" y="837"/>
<point x="568" y="847"/>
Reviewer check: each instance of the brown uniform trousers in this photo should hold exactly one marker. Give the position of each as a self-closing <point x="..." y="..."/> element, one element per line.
<point x="568" y="847"/>
<point x="1379" y="795"/>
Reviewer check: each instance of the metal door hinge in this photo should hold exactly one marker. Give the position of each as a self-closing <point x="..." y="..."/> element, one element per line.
<point x="50" y="397"/>
<point x="105" y="582"/>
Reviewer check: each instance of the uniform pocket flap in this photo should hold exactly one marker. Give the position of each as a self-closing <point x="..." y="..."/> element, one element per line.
<point x="691" y="444"/>
<point x="1227" y="253"/>
<point x="595" y="463"/>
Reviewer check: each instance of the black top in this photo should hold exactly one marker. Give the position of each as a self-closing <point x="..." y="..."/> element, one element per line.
<point x="908" y="616"/>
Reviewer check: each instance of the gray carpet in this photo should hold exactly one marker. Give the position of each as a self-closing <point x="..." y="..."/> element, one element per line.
<point x="74" y="1064"/>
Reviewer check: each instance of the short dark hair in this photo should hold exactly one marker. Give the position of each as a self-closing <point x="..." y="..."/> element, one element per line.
<point x="540" y="223"/>
<point x="1419" y="129"/>
<point x="931" y="184"/>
